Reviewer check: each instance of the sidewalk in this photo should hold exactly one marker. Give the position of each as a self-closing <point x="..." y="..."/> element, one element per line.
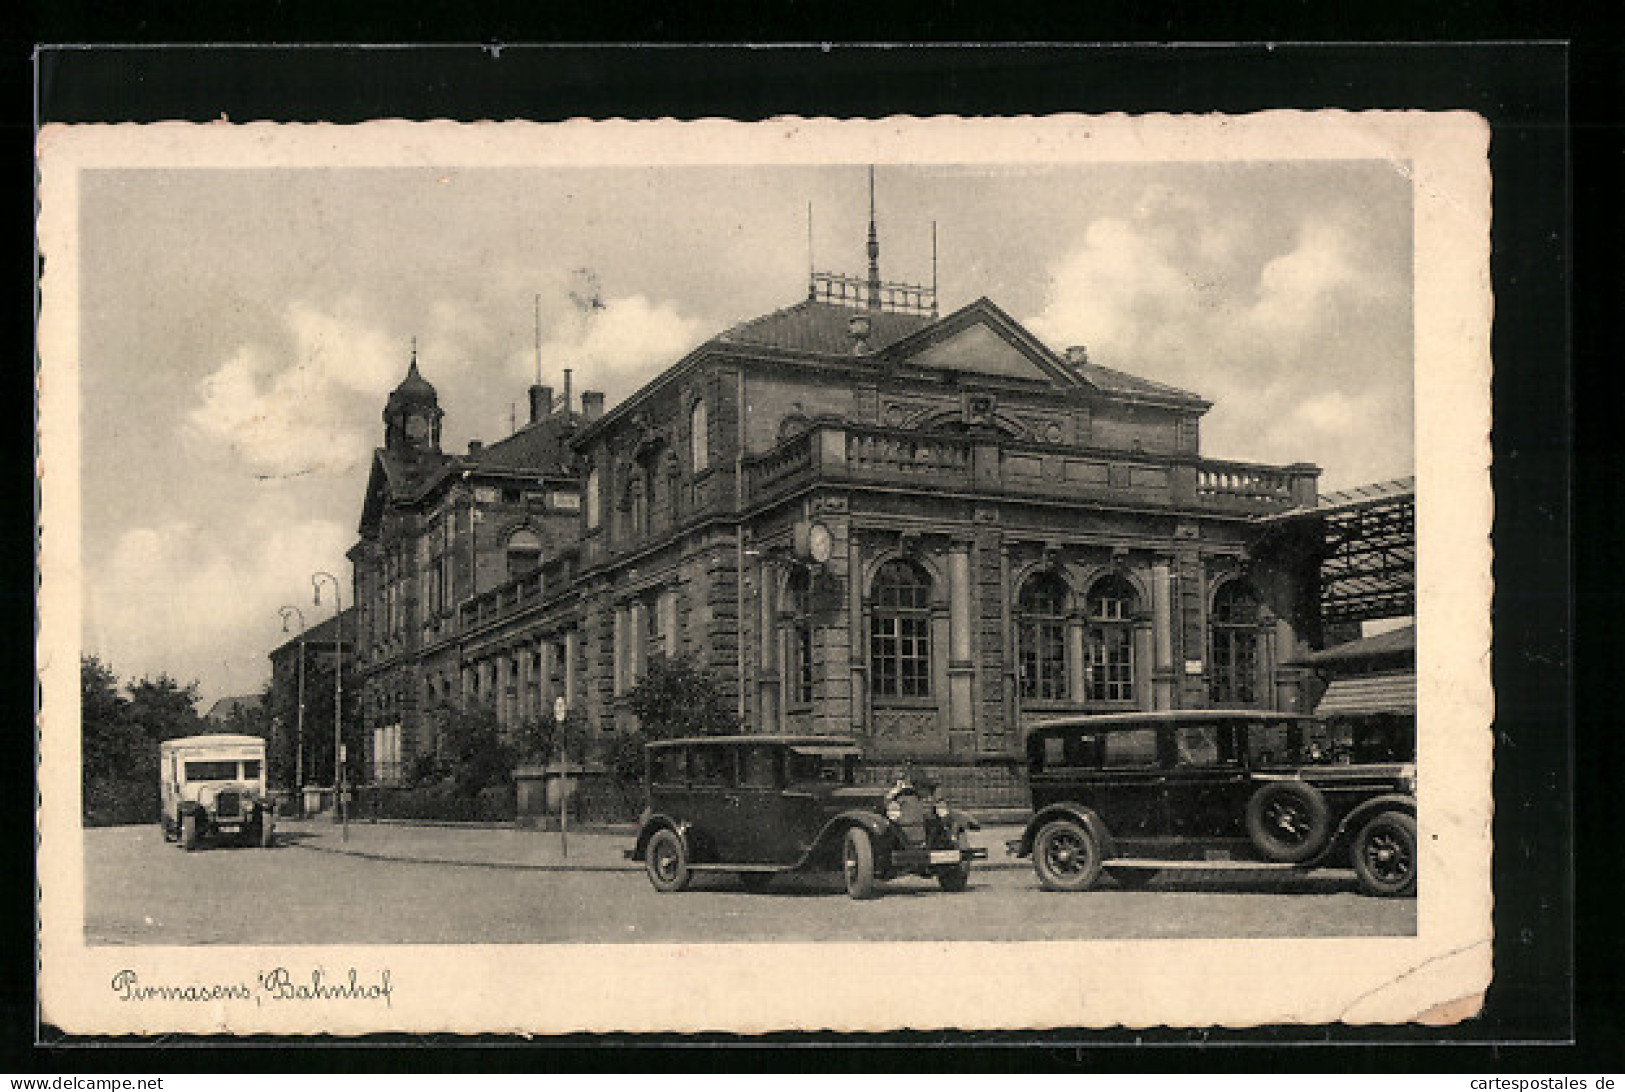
<point x="592" y="850"/>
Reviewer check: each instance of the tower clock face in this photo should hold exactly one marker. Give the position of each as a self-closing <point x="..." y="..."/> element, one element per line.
<point x="417" y="428"/>
<point x="819" y="543"/>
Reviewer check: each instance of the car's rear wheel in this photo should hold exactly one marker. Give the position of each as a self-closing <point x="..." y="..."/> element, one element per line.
<point x="666" y="861"/>
<point x="956" y="877"/>
<point x="858" y="863"/>
<point x="1288" y="821"/>
<point x="1385" y="855"/>
<point x="756" y="881"/>
<point x="189" y="832"/>
<point x="1066" y="856"/>
<point x="265" y="831"/>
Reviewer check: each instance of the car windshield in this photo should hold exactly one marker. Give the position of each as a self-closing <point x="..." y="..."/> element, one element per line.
<point x="212" y="770"/>
<point x="827" y="764"/>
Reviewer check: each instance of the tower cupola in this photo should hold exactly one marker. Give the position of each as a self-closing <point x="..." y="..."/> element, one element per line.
<point x="412" y="415"/>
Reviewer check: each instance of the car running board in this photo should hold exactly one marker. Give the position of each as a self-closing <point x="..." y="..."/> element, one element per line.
<point x="1160" y="865"/>
<point x="740" y="868"/>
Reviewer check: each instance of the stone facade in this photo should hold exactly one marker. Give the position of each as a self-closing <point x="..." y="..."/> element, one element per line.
<point x="1003" y="533"/>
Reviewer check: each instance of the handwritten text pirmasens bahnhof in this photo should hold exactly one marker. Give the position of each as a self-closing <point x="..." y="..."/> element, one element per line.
<point x="276" y="984"/>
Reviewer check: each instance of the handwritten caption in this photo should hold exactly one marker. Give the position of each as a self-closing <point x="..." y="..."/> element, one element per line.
<point x="276" y="985"/>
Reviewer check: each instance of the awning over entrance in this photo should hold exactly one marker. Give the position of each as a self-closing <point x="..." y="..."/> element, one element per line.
<point x="1362" y="694"/>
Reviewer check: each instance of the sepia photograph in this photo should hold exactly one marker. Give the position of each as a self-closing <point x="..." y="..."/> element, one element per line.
<point x="601" y="576"/>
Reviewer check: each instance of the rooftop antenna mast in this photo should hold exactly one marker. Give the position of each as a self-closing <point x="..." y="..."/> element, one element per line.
<point x="933" y="269"/>
<point x="538" y="305"/>
<point x="874" y="247"/>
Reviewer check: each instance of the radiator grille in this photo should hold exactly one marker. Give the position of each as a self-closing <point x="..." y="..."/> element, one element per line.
<point x="228" y="805"/>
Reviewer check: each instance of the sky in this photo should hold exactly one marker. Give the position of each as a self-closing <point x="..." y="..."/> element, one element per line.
<point x="241" y="329"/>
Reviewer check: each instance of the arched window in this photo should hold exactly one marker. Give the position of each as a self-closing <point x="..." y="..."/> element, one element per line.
<point x="798" y="644"/>
<point x="594" y="511"/>
<point x="900" y="632"/>
<point x="1233" y="659"/>
<point x="699" y="439"/>
<point x="1041" y="637"/>
<point x="1108" y="660"/>
<point x="524" y="553"/>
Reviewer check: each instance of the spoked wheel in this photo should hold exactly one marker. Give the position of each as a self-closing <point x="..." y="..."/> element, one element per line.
<point x="1385" y="855"/>
<point x="956" y="877"/>
<point x="1066" y="856"/>
<point x="1288" y="821"/>
<point x="666" y="861"/>
<point x="266" y="832"/>
<point x="858" y="863"/>
<point x="756" y="882"/>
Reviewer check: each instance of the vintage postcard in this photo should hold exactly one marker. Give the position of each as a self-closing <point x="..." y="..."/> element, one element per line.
<point x="927" y="573"/>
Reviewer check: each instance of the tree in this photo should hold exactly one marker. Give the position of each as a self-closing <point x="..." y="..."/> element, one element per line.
<point x="541" y="739"/>
<point x="120" y="733"/>
<point x="319" y="722"/>
<point x="677" y="697"/>
<point x="472" y="753"/>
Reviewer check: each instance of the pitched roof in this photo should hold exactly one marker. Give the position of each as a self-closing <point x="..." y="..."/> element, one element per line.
<point x="542" y="447"/>
<point x="817" y="327"/>
<point x="1396" y="642"/>
<point x="1110" y="379"/>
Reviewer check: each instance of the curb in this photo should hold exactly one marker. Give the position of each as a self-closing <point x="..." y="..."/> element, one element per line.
<point x="513" y="866"/>
<point x="989" y="865"/>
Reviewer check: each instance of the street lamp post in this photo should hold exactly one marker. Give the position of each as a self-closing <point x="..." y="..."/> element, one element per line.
<point x="338" y="693"/>
<point x="299" y="732"/>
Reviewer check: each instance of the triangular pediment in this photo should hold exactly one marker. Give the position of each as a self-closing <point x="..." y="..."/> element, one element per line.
<point x="982" y="340"/>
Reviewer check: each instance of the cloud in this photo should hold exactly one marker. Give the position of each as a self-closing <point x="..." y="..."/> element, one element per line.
<point x="200" y="601"/>
<point x="299" y="406"/>
<point x="621" y="345"/>
<point x="1287" y="322"/>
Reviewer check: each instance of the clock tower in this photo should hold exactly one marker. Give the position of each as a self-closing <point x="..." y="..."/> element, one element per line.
<point x="412" y="415"/>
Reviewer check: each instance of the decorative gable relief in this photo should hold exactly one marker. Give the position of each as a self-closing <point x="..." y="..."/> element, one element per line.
<point x="979" y="350"/>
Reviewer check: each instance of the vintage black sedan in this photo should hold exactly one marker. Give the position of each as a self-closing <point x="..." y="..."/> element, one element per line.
<point x="1132" y="794"/>
<point x="762" y="805"/>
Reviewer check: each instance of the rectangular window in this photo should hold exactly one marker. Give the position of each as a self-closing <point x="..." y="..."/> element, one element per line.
<point x="758" y="770"/>
<point x="251" y="770"/>
<point x="667" y="766"/>
<point x="1201" y="745"/>
<point x="900" y="656"/>
<point x="801" y="662"/>
<point x="1235" y="666"/>
<point x="1109" y="665"/>
<point x="212" y="771"/>
<point x="1075" y="751"/>
<point x="1133" y="749"/>
<point x="711" y="766"/>
<point x="1043" y="660"/>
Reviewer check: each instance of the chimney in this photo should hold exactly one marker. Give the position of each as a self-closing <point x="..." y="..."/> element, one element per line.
<point x="475" y="447"/>
<point x="541" y="402"/>
<point x="1077" y="355"/>
<point x="592" y="405"/>
<point x="857" y="328"/>
<point x="568" y="405"/>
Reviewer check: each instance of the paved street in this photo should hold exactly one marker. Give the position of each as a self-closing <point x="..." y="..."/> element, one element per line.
<point x="426" y="885"/>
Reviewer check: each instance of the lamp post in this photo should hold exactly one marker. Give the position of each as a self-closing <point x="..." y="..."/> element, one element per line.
<point x="338" y="693"/>
<point x="299" y="732"/>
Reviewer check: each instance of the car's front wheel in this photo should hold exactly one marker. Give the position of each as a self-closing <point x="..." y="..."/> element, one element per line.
<point x="666" y="860"/>
<point x="1066" y="856"/>
<point x="858" y="863"/>
<point x="1385" y="855"/>
<point x="956" y="877"/>
<point x="189" y="832"/>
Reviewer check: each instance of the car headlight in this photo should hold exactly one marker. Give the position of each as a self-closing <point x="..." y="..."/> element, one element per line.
<point x="1407" y="779"/>
<point x="894" y="811"/>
